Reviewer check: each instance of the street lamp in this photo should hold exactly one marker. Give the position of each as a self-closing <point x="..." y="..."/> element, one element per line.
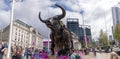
<point x="106" y="29"/>
<point x="84" y="31"/>
<point x="11" y="27"/>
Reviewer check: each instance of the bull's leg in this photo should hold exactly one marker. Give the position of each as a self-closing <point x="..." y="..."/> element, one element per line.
<point x="52" y="48"/>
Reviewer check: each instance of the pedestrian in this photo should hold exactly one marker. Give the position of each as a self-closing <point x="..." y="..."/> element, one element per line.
<point x="26" y="52"/>
<point x="100" y="49"/>
<point x="5" y="53"/>
<point x="94" y="51"/>
<point x="14" y="53"/>
<point x="72" y="56"/>
<point x="19" y="52"/>
<point x="80" y="53"/>
<point x="23" y="54"/>
<point x="1" y="53"/>
<point x="29" y="52"/>
<point x="115" y="55"/>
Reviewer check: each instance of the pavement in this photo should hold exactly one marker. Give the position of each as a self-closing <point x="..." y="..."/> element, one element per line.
<point x="98" y="56"/>
<point x="90" y="56"/>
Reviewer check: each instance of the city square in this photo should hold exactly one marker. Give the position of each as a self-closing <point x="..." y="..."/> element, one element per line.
<point x="59" y="29"/>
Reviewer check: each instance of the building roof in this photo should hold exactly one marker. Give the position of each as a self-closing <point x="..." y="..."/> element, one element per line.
<point x="72" y="20"/>
<point x="22" y="23"/>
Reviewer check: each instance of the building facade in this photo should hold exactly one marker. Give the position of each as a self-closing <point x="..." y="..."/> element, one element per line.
<point x="23" y="35"/>
<point x="116" y="14"/>
<point x="0" y="34"/>
<point x="73" y="25"/>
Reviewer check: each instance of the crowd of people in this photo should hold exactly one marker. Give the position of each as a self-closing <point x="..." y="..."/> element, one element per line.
<point x="17" y="52"/>
<point x="3" y="49"/>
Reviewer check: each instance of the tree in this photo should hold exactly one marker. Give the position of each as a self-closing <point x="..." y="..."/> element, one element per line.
<point x="103" y="39"/>
<point x="93" y="43"/>
<point x="116" y="33"/>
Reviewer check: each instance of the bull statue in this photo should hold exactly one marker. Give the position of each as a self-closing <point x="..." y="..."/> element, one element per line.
<point x="60" y="36"/>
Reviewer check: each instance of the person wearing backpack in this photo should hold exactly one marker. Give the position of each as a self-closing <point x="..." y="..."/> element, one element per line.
<point x="77" y="56"/>
<point x="73" y="54"/>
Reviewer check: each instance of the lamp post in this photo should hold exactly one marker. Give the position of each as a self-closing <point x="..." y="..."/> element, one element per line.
<point x="84" y="31"/>
<point x="106" y="29"/>
<point x="11" y="27"/>
<point x="48" y="44"/>
<point x="48" y="36"/>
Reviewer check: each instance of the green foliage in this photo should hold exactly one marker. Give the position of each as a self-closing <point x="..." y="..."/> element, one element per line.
<point x="103" y="39"/>
<point x="93" y="43"/>
<point x="116" y="33"/>
<point x="112" y="42"/>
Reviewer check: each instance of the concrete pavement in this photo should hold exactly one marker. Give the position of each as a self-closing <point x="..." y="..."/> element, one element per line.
<point x="90" y="56"/>
<point x="98" y="56"/>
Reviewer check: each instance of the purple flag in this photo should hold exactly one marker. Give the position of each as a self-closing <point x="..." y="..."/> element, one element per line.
<point x="32" y="42"/>
<point x="86" y="40"/>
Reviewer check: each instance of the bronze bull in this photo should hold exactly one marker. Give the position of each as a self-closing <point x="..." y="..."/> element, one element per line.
<point x="60" y="36"/>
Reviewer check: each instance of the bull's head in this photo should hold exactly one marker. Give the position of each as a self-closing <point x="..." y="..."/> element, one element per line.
<point x="54" y="22"/>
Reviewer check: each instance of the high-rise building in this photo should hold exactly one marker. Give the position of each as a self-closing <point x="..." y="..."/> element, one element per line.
<point x="73" y="25"/>
<point x="23" y="35"/>
<point x="116" y="14"/>
<point x="1" y="34"/>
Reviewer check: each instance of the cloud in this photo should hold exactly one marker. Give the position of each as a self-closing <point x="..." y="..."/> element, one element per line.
<point x="2" y="5"/>
<point x="28" y="10"/>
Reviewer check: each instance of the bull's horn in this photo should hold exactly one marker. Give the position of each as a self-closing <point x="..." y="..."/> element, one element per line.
<point x="41" y="18"/>
<point x="63" y="12"/>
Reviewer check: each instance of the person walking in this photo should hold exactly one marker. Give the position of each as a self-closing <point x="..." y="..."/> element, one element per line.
<point x="14" y="52"/>
<point x="94" y="51"/>
<point x="72" y="56"/>
<point x="23" y="54"/>
<point x="1" y="53"/>
<point x="26" y="53"/>
<point x="5" y="53"/>
<point x="115" y="55"/>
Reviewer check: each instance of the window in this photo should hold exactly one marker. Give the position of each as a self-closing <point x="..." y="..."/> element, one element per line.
<point x="22" y="35"/>
<point x="19" y="30"/>
<point x="16" y="33"/>
<point x="18" y="39"/>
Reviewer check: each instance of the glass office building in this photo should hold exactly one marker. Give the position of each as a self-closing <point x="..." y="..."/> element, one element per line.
<point x="73" y="25"/>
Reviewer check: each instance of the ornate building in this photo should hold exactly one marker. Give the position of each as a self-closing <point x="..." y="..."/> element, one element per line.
<point x="23" y="35"/>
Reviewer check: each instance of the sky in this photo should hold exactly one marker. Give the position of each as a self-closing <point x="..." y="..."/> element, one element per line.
<point x="97" y="13"/>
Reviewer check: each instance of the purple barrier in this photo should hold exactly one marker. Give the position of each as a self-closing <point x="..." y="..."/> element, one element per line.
<point x="43" y="55"/>
<point x="33" y="56"/>
<point x="80" y="53"/>
<point x="62" y="57"/>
